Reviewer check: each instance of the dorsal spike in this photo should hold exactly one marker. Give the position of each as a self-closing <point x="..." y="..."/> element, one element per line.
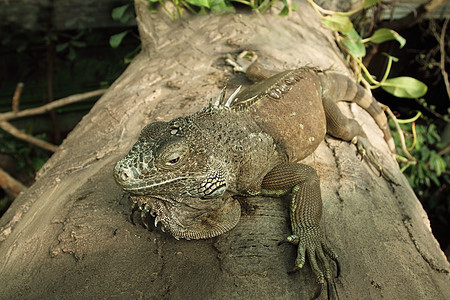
<point x="221" y="96"/>
<point x="232" y="97"/>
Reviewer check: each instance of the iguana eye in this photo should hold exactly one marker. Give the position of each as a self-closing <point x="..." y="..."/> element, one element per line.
<point x="171" y="153"/>
<point x="173" y="159"/>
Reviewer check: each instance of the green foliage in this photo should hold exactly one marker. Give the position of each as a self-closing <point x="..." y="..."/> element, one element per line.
<point x="338" y="22"/>
<point x="26" y="156"/>
<point x="354" y="43"/>
<point x="123" y="14"/>
<point x="116" y="39"/>
<point x="404" y="87"/>
<point x="430" y="172"/>
<point x="383" y="35"/>
<point x="369" y="3"/>
<point x="69" y="46"/>
<point x="217" y="6"/>
<point x="427" y="170"/>
<point x="5" y="202"/>
<point x="355" y="46"/>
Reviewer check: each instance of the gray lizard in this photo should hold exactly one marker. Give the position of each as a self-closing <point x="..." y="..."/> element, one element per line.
<point x="185" y="172"/>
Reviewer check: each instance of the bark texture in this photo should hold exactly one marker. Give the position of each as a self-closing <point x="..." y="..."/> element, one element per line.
<point x="69" y="235"/>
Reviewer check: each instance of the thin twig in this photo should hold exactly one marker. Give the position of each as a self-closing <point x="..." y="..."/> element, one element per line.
<point x="444" y="151"/>
<point x="434" y="113"/>
<point x="12" y="186"/>
<point x="442" y="50"/>
<point x="45" y="108"/>
<point x="16" y="97"/>
<point x="8" y="127"/>
<point x="400" y="133"/>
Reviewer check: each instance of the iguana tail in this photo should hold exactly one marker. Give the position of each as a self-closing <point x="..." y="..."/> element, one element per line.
<point x="341" y="88"/>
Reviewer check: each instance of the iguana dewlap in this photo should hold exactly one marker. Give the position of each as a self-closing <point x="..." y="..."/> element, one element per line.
<point x="184" y="172"/>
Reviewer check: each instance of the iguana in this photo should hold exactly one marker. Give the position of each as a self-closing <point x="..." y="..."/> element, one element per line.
<point x="185" y="172"/>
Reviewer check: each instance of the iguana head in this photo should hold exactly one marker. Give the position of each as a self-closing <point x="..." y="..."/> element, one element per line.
<point x="178" y="176"/>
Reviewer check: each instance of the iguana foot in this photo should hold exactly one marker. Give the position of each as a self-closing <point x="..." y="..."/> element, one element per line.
<point x="368" y="152"/>
<point x="243" y="61"/>
<point x="311" y="243"/>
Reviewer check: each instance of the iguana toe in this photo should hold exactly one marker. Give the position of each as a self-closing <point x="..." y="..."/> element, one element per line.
<point x="243" y="61"/>
<point x="368" y="152"/>
<point x="310" y="243"/>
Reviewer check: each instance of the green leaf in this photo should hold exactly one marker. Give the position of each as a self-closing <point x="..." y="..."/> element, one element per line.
<point x="404" y="87"/>
<point x="22" y="47"/>
<point x="220" y="6"/>
<point x="70" y="22"/>
<point x="369" y="3"/>
<point x="338" y="22"/>
<point x="72" y="54"/>
<point x="116" y="39"/>
<point x="435" y="179"/>
<point x="118" y="12"/>
<point x="37" y="163"/>
<point x="61" y="47"/>
<point x="284" y="12"/>
<point x="382" y="35"/>
<point x="354" y="43"/>
<point x="293" y="7"/>
<point x="201" y="3"/>
<point x="78" y="44"/>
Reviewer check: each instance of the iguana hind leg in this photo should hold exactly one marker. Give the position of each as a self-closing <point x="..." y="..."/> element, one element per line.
<point x="246" y="63"/>
<point x="349" y="130"/>
<point x="302" y="183"/>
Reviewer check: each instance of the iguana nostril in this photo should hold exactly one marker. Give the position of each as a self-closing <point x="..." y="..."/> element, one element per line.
<point x="124" y="176"/>
<point x="128" y="174"/>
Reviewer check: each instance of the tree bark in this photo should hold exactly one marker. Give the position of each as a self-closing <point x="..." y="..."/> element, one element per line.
<point x="69" y="235"/>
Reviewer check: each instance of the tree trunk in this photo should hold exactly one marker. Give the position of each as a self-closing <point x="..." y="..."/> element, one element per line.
<point x="70" y="236"/>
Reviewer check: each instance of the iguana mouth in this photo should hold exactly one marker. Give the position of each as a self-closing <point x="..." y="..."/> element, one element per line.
<point x="193" y="219"/>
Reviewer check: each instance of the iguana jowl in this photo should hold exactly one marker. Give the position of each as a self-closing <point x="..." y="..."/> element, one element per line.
<point x="185" y="172"/>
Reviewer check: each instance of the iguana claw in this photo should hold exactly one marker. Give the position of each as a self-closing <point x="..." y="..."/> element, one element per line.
<point x="243" y="61"/>
<point x="319" y="291"/>
<point x="310" y="242"/>
<point x="368" y="152"/>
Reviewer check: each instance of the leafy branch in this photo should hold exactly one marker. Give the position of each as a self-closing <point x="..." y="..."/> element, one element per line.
<point x="426" y="161"/>
<point x="175" y="8"/>
<point x="355" y="47"/>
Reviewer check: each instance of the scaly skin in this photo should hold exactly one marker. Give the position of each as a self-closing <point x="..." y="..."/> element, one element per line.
<point x="184" y="172"/>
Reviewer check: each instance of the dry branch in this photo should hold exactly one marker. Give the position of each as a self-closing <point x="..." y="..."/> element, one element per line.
<point x="16" y="97"/>
<point x="8" y="127"/>
<point x="10" y="185"/>
<point x="442" y="50"/>
<point x="15" y="113"/>
<point x="45" y="108"/>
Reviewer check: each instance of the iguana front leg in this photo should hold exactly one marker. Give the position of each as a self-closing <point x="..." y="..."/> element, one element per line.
<point x="302" y="182"/>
